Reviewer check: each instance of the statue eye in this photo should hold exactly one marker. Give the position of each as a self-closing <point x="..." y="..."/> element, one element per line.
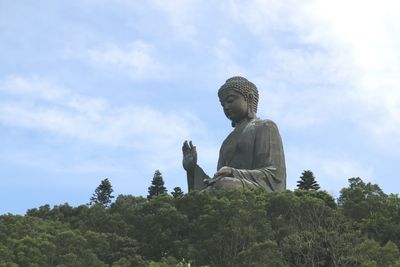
<point x="230" y="99"/>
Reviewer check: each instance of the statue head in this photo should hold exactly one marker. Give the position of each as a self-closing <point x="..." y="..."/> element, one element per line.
<point x="246" y="89"/>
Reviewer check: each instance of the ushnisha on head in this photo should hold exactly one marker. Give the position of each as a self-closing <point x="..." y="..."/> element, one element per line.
<point x="244" y="87"/>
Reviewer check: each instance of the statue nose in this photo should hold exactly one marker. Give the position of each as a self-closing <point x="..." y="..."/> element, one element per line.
<point x="227" y="106"/>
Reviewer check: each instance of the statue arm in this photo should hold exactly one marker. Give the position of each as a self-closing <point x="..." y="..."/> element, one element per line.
<point x="195" y="178"/>
<point x="195" y="174"/>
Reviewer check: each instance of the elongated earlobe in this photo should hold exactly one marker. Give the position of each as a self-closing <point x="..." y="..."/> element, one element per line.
<point x="250" y="110"/>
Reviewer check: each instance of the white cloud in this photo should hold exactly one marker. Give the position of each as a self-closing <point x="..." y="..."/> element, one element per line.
<point x="260" y="16"/>
<point x="300" y="109"/>
<point x="39" y="105"/>
<point x="137" y="59"/>
<point x="365" y="32"/>
<point x="350" y="47"/>
<point x="36" y="89"/>
<point x="225" y="52"/>
<point x="302" y="88"/>
<point x="181" y="15"/>
<point x="332" y="172"/>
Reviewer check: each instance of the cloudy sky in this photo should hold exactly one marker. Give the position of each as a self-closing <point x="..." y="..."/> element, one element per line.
<point x="95" y="89"/>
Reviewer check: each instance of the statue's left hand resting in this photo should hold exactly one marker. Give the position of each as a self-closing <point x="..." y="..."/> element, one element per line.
<point x="221" y="173"/>
<point x="189" y="156"/>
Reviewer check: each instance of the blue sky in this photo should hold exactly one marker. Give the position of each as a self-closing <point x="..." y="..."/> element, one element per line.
<point x="110" y="89"/>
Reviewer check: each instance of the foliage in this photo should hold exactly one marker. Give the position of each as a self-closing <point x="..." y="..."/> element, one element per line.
<point x="157" y="185"/>
<point x="177" y="193"/>
<point x="307" y="181"/>
<point x="372" y="211"/>
<point x="321" y="194"/>
<point x="102" y="194"/>
<point x="211" y="228"/>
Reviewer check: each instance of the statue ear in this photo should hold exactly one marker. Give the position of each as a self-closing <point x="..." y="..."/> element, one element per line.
<point x="250" y="110"/>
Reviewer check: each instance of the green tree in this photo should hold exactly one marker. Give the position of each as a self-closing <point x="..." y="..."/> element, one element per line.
<point x="321" y="194"/>
<point x="212" y="228"/>
<point x="160" y="228"/>
<point x="223" y="224"/>
<point x="266" y="253"/>
<point x="360" y="200"/>
<point x="373" y="212"/>
<point x="6" y="255"/>
<point x="371" y="253"/>
<point x="177" y="193"/>
<point x="157" y="185"/>
<point x="306" y="229"/>
<point x="307" y="181"/>
<point x="102" y="194"/>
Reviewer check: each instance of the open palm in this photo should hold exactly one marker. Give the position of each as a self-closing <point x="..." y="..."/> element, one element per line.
<point x="189" y="156"/>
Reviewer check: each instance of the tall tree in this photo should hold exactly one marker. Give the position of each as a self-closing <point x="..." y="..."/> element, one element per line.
<point x="157" y="185"/>
<point x="177" y="193"/>
<point x="102" y="194"/>
<point x="307" y="181"/>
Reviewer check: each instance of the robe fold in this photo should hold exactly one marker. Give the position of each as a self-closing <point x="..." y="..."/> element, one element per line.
<point x="254" y="149"/>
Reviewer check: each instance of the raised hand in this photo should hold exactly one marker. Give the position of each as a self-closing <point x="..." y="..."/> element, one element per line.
<point x="189" y="156"/>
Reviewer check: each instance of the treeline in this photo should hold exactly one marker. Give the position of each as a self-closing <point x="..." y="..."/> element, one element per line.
<point x="214" y="228"/>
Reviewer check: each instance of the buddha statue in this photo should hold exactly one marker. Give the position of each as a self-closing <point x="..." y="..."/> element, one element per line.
<point x="251" y="156"/>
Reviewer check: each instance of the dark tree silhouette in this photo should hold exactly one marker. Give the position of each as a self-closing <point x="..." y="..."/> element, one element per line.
<point x="102" y="194"/>
<point x="307" y="181"/>
<point x="177" y="193"/>
<point x="157" y="185"/>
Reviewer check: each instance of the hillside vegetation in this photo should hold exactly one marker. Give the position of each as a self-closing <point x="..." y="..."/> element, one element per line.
<point x="215" y="228"/>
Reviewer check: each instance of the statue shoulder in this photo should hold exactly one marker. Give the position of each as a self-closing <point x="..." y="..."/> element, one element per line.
<point x="265" y="124"/>
<point x="266" y="129"/>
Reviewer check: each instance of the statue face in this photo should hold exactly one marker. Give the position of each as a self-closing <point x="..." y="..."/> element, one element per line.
<point x="234" y="105"/>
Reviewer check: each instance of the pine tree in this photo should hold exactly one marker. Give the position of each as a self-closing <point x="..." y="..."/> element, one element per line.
<point x="157" y="185"/>
<point x="177" y="193"/>
<point x="102" y="194"/>
<point x="307" y="181"/>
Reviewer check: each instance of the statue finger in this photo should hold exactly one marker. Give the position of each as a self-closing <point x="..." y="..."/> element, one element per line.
<point x="217" y="174"/>
<point x="190" y="144"/>
<point x="214" y="180"/>
<point x="184" y="144"/>
<point x="208" y="182"/>
<point x="185" y="147"/>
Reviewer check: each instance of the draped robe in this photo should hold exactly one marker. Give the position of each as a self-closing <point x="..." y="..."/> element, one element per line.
<point x="255" y="152"/>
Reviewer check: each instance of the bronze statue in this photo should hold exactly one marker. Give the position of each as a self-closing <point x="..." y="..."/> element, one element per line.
<point x="252" y="154"/>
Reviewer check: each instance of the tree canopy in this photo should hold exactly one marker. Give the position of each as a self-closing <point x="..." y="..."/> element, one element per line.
<point x="177" y="193"/>
<point x="214" y="228"/>
<point x="307" y="181"/>
<point x="102" y="194"/>
<point x="157" y="185"/>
